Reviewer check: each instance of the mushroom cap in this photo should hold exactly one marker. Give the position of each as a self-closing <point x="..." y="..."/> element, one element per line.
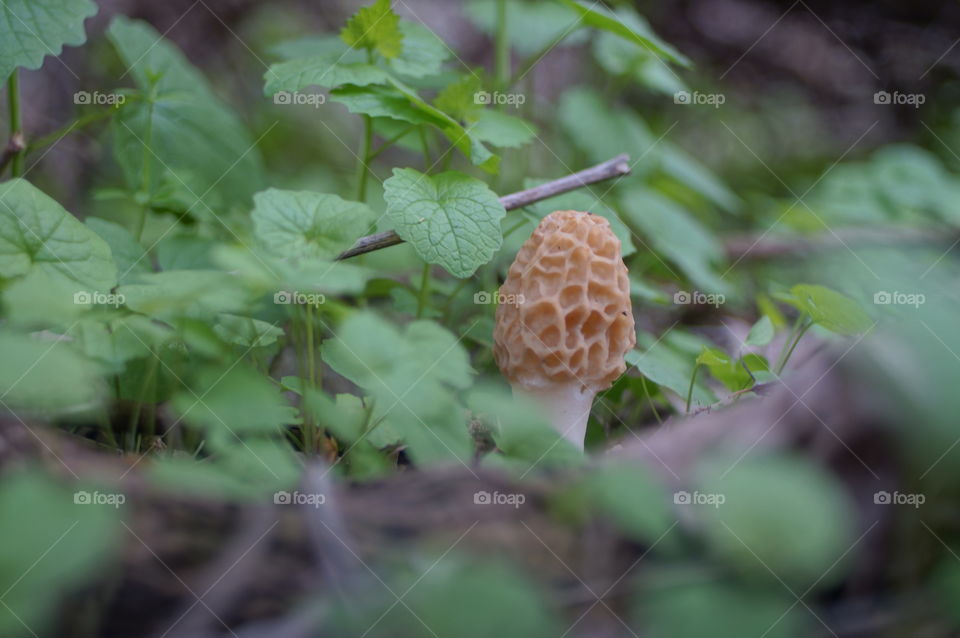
<point x="564" y="313"/>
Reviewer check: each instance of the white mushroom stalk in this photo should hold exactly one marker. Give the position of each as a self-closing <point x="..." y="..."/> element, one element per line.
<point x="565" y="322"/>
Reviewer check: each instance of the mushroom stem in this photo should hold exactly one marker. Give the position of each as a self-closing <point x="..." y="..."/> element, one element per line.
<point x="566" y="406"/>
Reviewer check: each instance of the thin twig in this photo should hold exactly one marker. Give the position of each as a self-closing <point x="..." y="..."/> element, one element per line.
<point x="616" y="167"/>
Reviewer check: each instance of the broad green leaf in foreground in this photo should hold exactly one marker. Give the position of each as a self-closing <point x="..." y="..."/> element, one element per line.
<point x="375" y="28"/>
<point x="268" y="273"/>
<point x="33" y="29"/>
<point x="173" y="294"/>
<point x="48" y="377"/>
<point x="233" y="403"/>
<point x="37" y="233"/>
<point x="176" y="104"/>
<point x="410" y="376"/>
<point x="828" y="308"/>
<point x="783" y="515"/>
<point x="52" y="544"/>
<point x="306" y="224"/>
<point x="451" y="219"/>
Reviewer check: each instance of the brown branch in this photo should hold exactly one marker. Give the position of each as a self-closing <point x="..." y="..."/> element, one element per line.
<point x="616" y="167"/>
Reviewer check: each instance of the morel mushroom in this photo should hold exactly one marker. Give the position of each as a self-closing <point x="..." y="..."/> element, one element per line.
<point x="564" y="321"/>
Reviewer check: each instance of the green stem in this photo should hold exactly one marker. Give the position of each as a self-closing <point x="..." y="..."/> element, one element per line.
<point x="693" y="379"/>
<point x="311" y="349"/>
<point x="16" y="122"/>
<point x="426" y="148"/>
<point x="532" y="61"/>
<point x="393" y="140"/>
<point x="502" y="47"/>
<point x="653" y="405"/>
<point x="364" y="159"/>
<point x="79" y="123"/>
<point x="796" y="341"/>
<point x="448" y="305"/>
<point x="424" y="291"/>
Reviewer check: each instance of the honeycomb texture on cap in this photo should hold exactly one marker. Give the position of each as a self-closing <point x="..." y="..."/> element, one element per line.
<point x="564" y="313"/>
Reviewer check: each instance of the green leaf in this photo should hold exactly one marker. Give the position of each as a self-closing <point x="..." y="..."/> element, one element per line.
<point x="451" y="219"/>
<point x="376" y="356"/>
<point x="177" y="104"/>
<point x="36" y="233"/>
<point x="375" y="28"/>
<point x="761" y="333"/>
<point x="46" y="377"/>
<point x="273" y="274"/>
<point x="632" y="498"/>
<point x="622" y="57"/>
<point x="602" y="132"/>
<point x="423" y="52"/>
<point x="170" y="295"/>
<point x="521" y="430"/>
<point x="725" y="369"/>
<point x="686" y="601"/>
<point x="629" y="27"/>
<point x="52" y="545"/>
<point x="247" y="331"/>
<point x="326" y="71"/>
<point x="306" y="224"/>
<point x="129" y="256"/>
<point x="531" y="26"/>
<point x="233" y="403"/>
<point x="33" y="29"/>
<point x="667" y="368"/>
<point x="410" y="377"/>
<point x="832" y="310"/>
<point x="500" y="129"/>
<point x="767" y="501"/>
<point x="676" y="235"/>
<point x="679" y="165"/>
<point x="400" y="102"/>
<point x="459" y="98"/>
